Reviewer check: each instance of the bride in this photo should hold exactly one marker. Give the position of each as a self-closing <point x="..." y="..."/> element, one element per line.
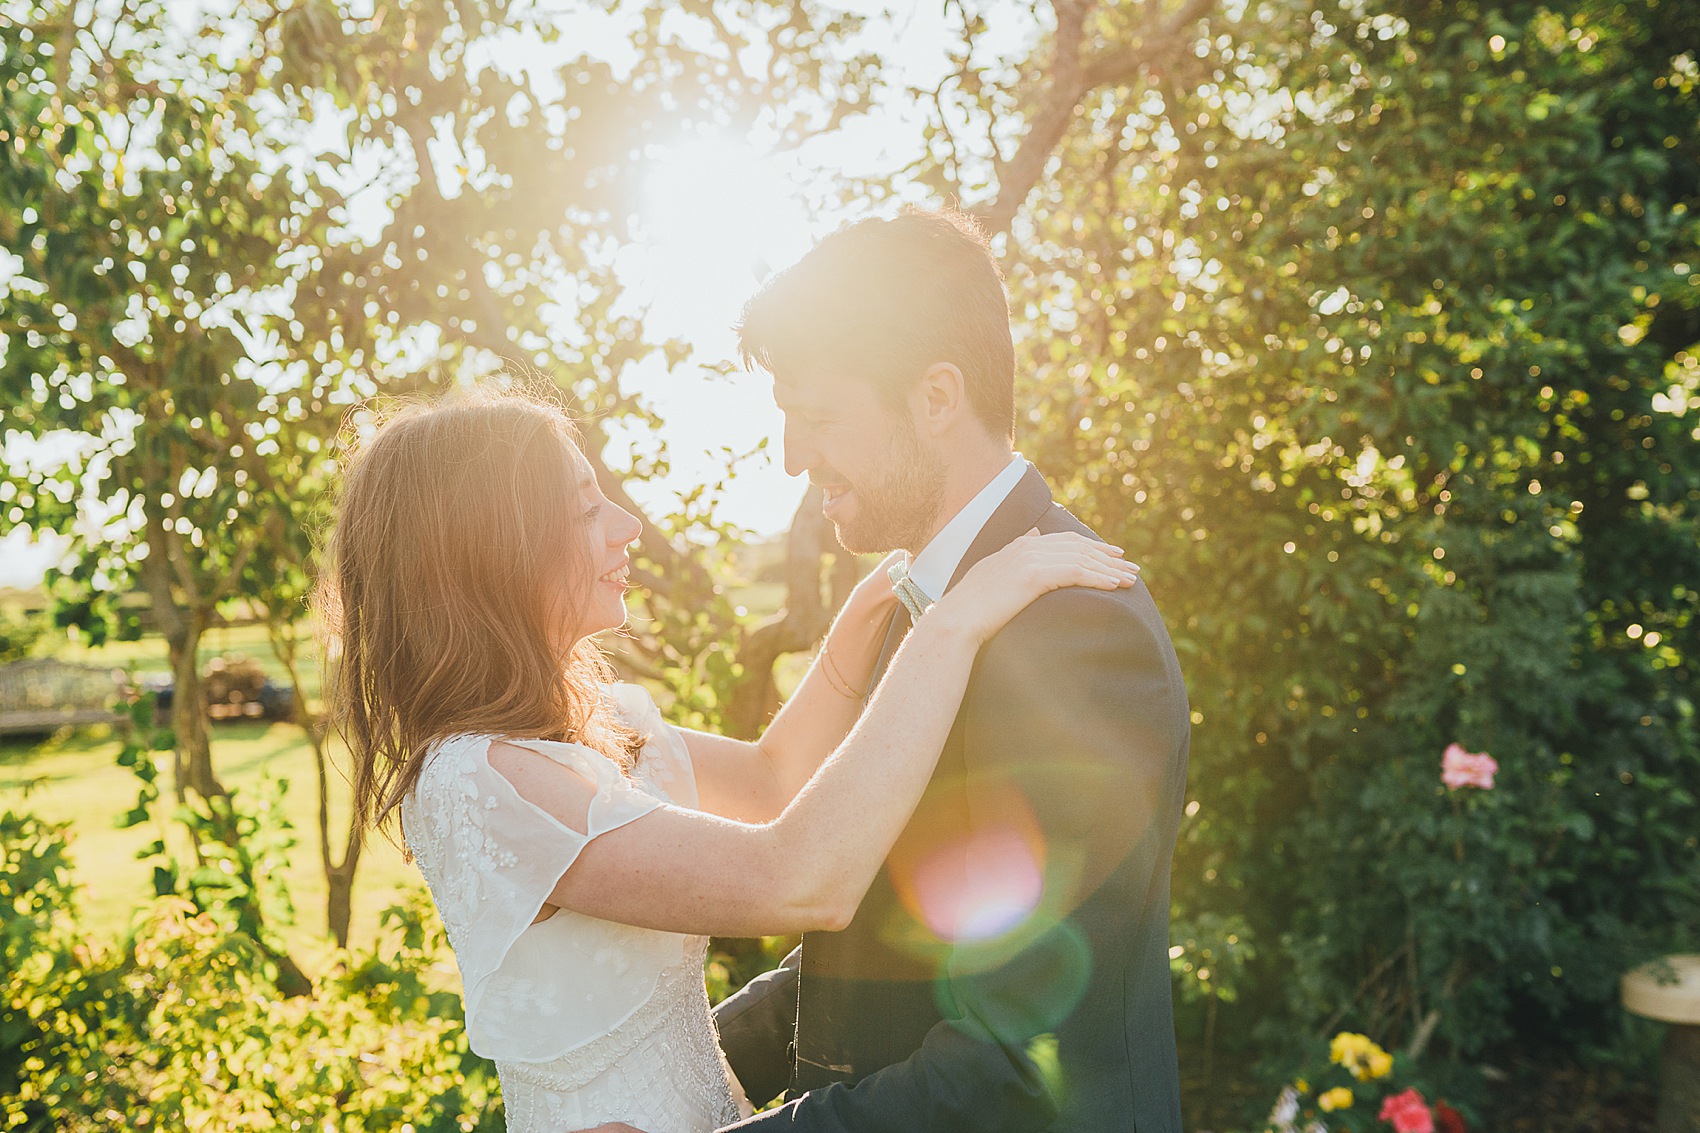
<point x="579" y="849"/>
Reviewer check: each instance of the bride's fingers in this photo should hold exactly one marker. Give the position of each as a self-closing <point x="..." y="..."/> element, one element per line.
<point x="1122" y="576"/>
<point x="1102" y="572"/>
<point x="1110" y="557"/>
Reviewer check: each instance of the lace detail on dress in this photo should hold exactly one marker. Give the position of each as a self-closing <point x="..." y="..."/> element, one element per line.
<point x="588" y="1021"/>
<point x="667" y="1050"/>
<point x="444" y="787"/>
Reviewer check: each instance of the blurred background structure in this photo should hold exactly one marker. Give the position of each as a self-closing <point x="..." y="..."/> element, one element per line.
<point x="1371" y="329"/>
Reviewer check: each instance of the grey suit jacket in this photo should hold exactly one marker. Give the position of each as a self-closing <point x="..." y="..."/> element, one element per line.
<point x="1008" y="969"/>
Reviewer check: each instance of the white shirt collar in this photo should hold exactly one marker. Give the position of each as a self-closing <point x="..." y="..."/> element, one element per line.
<point x="935" y="565"/>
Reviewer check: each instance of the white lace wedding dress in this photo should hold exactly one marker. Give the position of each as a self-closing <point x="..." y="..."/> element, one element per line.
<point x="588" y="1021"/>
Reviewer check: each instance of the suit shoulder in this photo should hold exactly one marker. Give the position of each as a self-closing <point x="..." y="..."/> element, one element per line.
<point x="1075" y="610"/>
<point x="1059" y="518"/>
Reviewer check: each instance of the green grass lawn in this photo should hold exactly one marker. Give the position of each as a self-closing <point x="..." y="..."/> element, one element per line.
<point x="74" y="778"/>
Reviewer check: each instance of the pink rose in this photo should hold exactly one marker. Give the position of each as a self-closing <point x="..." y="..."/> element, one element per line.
<point x="1407" y="1112"/>
<point x="1460" y="768"/>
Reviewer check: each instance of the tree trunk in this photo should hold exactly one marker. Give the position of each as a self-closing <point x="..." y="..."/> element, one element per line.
<point x="339" y="876"/>
<point x="794" y="629"/>
<point x="339" y="896"/>
<point x="291" y="980"/>
<point x="182" y="626"/>
<point x="193" y="743"/>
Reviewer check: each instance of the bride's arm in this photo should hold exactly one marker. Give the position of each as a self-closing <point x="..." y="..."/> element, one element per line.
<point x="686" y="871"/>
<point x="753" y="782"/>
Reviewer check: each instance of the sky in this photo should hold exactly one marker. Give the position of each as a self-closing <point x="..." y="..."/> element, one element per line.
<point x="715" y="213"/>
<point x="715" y="207"/>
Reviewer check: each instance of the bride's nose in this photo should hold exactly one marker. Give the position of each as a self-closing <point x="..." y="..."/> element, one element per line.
<point x="626" y="528"/>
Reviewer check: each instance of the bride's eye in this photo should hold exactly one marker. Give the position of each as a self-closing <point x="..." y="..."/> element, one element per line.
<point x="590" y="516"/>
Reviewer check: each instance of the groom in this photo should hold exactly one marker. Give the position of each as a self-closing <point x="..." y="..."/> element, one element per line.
<point x="1008" y="969"/>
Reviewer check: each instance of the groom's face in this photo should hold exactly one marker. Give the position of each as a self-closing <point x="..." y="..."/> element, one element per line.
<point x="883" y="483"/>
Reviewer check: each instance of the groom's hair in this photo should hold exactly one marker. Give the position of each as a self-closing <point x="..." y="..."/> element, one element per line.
<point x="882" y="300"/>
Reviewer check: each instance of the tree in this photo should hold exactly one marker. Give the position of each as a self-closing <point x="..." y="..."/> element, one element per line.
<point x="512" y="257"/>
<point x="218" y="256"/>
<point x="148" y="236"/>
<point x="500" y="251"/>
<point x="1370" y="330"/>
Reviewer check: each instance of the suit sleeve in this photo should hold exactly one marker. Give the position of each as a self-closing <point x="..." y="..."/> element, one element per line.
<point x="1071" y="723"/>
<point x="756" y="1026"/>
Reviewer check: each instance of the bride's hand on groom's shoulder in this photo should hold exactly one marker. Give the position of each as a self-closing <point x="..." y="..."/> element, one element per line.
<point x="1002" y="584"/>
<point x="874" y="595"/>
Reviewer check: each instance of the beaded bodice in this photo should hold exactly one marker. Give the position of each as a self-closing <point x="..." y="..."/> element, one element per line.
<point x="661" y="1070"/>
<point x="588" y="1021"/>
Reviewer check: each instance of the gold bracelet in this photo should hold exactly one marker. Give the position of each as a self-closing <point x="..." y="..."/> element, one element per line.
<point x="833" y="665"/>
<point x="834" y="678"/>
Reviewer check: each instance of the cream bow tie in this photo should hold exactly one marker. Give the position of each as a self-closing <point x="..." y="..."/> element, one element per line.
<point x="914" y="599"/>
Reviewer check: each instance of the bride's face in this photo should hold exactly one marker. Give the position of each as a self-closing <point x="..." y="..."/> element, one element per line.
<point x="610" y="531"/>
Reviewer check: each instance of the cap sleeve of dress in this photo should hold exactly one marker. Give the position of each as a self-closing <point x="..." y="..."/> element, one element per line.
<point x="666" y="761"/>
<point x="491" y="859"/>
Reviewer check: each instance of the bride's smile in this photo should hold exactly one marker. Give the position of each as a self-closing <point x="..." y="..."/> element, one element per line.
<point x="609" y="531"/>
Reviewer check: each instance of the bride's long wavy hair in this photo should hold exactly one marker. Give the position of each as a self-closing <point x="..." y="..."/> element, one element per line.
<point x="457" y="558"/>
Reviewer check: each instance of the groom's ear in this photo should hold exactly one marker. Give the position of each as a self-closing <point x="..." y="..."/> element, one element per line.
<point x="940" y="398"/>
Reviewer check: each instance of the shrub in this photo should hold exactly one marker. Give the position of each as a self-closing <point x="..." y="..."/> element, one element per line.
<point x="19" y="635"/>
<point x="184" y="1025"/>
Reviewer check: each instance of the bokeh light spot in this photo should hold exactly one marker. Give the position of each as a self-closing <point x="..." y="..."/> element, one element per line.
<point x="968" y="884"/>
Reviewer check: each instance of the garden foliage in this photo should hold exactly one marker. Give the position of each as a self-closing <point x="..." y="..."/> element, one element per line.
<point x="184" y="1023"/>
<point x="1372" y="330"/>
<point x="1374" y="335"/>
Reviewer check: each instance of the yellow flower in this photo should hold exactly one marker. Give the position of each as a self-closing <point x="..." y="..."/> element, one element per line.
<point x="1347" y="1047"/>
<point x="1360" y="1056"/>
<point x="1337" y="1098"/>
<point x="1302" y="1086"/>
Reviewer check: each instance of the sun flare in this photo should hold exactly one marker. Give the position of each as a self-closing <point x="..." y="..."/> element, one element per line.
<point x="716" y="218"/>
<point x="718" y="201"/>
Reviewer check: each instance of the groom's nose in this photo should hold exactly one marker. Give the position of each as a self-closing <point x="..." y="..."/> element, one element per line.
<point x="800" y="456"/>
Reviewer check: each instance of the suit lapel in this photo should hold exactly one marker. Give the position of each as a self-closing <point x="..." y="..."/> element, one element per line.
<point x="895" y="631"/>
<point x="1025" y="505"/>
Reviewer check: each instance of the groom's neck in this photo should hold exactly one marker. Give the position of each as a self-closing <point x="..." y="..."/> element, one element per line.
<point x="968" y="471"/>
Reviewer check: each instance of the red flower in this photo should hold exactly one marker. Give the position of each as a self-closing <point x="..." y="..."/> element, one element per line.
<point x="1408" y="1113"/>
<point x="1448" y="1120"/>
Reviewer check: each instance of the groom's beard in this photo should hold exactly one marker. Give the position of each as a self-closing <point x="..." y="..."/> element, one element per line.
<point x="900" y="510"/>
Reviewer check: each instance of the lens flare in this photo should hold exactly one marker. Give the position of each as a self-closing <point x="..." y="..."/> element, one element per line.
<point x="968" y="884"/>
<point x="978" y="890"/>
<point x="1013" y="995"/>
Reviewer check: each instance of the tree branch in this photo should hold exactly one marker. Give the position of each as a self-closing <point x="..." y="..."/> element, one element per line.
<point x="802" y="622"/>
<point x="1073" y="81"/>
<point x="1049" y="122"/>
<point x="672" y="562"/>
<point x="491" y="335"/>
<point x="1128" y="63"/>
